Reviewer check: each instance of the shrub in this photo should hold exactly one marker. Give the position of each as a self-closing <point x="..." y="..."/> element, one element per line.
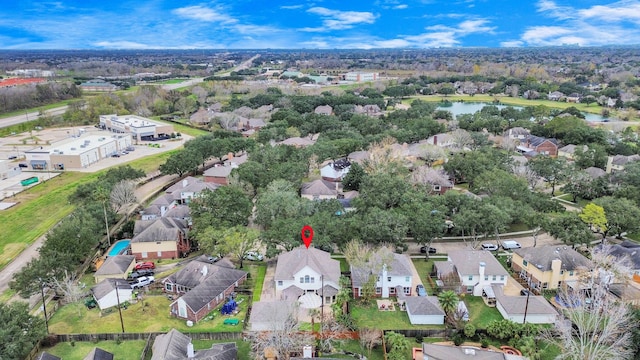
<point x="469" y="330"/>
<point x="458" y="340"/>
<point x="419" y="339"/>
<point x="484" y="342"/>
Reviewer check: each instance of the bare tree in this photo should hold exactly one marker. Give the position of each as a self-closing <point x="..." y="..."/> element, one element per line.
<point x="367" y="264"/>
<point x="597" y="324"/>
<point x="123" y="194"/>
<point x="369" y="338"/>
<point x="71" y="290"/>
<point x="429" y="176"/>
<point x="461" y="138"/>
<point x="385" y="156"/>
<point x="285" y="336"/>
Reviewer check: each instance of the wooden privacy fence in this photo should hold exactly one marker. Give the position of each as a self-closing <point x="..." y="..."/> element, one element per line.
<point x="146" y="336"/>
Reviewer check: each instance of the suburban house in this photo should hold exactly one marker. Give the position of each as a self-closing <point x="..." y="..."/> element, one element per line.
<point x="358" y="156"/>
<point x="549" y="267"/>
<point x="252" y="124"/>
<point x="336" y="170"/>
<point x="618" y="162"/>
<point x="536" y="308"/>
<point x="448" y="352"/>
<point x="424" y="310"/>
<point x="442" y="140"/>
<point x="517" y="133"/>
<point x="98" y="354"/>
<point x="201" y="287"/>
<point x="369" y="110"/>
<point x="569" y="151"/>
<point x="117" y="267"/>
<point x="533" y="145"/>
<point x="626" y="251"/>
<point x="200" y="117"/>
<point x="573" y="97"/>
<point x="320" y="190"/>
<point x="437" y="179"/>
<point x="163" y="238"/>
<point x="298" y="142"/>
<point x="219" y="174"/>
<point x="394" y="277"/>
<point x="175" y="345"/>
<point x="555" y="96"/>
<point x="307" y="271"/>
<point x="105" y="292"/>
<point x="158" y="207"/>
<point x="271" y="315"/>
<point x="594" y="172"/>
<point x="323" y="110"/>
<point x="190" y="187"/>
<point x="477" y="270"/>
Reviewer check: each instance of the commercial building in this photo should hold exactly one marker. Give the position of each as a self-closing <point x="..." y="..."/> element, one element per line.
<point x="140" y="128"/>
<point x="77" y="152"/>
<point x="360" y="76"/>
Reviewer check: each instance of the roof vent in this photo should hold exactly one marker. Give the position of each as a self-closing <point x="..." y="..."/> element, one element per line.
<point x="482" y="263"/>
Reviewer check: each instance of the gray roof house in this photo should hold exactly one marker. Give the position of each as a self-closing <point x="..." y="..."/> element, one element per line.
<point x="307" y="271"/>
<point x="98" y="354"/>
<point x="115" y="267"/>
<point x="175" y="345"/>
<point x="477" y="270"/>
<point x="105" y="292"/>
<point x="201" y="286"/>
<point x="298" y="142"/>
<point x="271" y="315"/>
<point x="536" y="308"/>
<point x="320" y="189"/>
<point x="424" y="310"/>
<point x="323" y="110"/>
<point x="397" y="272"/>
<point x="447" y="352"/>
<point x="549" y="267"/>
<point x="162" y="238"/>
<point x="46" y="356"/>
<point x="190" y="187"/>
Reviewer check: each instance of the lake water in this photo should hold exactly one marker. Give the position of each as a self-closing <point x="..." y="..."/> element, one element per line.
<point x="458" y="108"/>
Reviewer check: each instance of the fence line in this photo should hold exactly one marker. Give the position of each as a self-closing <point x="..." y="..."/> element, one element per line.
<point x="145" y="336"/>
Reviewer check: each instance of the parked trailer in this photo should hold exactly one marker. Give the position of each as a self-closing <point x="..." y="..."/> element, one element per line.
<point x="29" y="181"/>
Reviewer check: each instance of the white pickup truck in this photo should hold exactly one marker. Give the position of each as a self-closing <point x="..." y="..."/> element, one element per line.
<point x="142" y="281"/>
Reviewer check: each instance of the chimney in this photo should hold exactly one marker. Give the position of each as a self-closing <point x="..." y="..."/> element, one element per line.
<point x="190" y="353"/>
<point x="185" y="182"/>
<point x="481" y="270"/>
<point x="435" y="139"/>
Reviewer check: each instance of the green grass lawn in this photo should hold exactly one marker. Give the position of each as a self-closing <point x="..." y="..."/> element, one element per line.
<point x="131" y="349"/>
<point x="257" y="272"/>
<point x="480" y="315"/>
<point x="423" y="267"/>
<point x="154" y="316"/>
<point x="368" y="316"/>
<point x="344" y="265"/>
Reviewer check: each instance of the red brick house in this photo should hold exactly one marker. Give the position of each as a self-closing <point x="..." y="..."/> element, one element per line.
<point x="539" y="145"/>
<point x="201" y="287"/>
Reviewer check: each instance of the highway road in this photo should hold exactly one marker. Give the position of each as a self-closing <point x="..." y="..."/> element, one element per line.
<point x="30" y="116"/>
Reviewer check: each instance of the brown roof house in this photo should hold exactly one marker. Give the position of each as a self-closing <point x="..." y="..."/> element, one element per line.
<point x="220" y="174"/>
<point x="307" y="272"/>
<point x="534" y="145"/>
<point x="190" y="187"/>
<point x="118" y="266"/>
<point x="201" y="287"/>
<point x="175" y="345"/>
<point x="163" y="238"/>
<point x="394" y="278"/>
<point x="323" y="110"/>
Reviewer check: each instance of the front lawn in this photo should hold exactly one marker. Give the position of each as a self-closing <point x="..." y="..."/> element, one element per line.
<point x="480" y="315"/>
<point x="150" y="315"/>
<point x="368" y="316"/>
<point x="130" y="349"/>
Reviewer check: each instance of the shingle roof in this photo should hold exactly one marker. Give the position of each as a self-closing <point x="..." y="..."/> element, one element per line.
<point x="170" y="346"/>
<point x="179" y="212"/>
<point x="224" y="351"/>
<point x="162" y="229"/>
<point x="98" y="354"/>
<point x="446" y="352"/>
<point x="115" y="265"/>
<point x="467" y="262"/>
<point x="400" y="266"/>
<point x="271" y="311"/>
<point x="46" y="356"/>
<point x="423" y="305"/>
<point x="297" y="141"/>
<point x="537" y="140"/>
<point x="622" y="252"/>
<point x="595" y="172"/>
<point x="319" y="187"/>
<point x="106" y="286"/>
<point x="542" y="256"/>
<point x="516" y="305"/>
<point x="291" y="262"/>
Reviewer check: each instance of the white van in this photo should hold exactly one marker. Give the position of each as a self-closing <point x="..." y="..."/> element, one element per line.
<point x="510" y="245"/>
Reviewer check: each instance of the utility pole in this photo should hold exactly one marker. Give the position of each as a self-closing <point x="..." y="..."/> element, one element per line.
<point x="526" y="306"/>
<point x="119" y="309"/>
<point x="44" y="306"/>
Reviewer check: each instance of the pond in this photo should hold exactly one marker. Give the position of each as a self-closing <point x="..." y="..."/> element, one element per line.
<point x="457" y="108"/>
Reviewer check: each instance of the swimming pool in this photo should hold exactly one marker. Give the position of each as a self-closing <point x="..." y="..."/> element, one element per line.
<point x="119" y="247"/>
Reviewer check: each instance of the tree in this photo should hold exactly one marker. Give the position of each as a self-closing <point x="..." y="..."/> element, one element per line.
<point x="370" y="338"/>
<point x="449" y="302"/>
<point x="354" y="177"/>
<point x="551" y="170"/>
<point x="71" y="290"/>
<point x="123" y="194"/>
<point x="425" y="221"/>
<point x="20" y="331"/>
<point x="227" y="206"/>
<point x="594" y="216"/>
<point x="621" y="215"/>
<point x="397" y="345"/>
<point x="380" y="226"/>
<point x="237" y="241"/>
<point x="367" y="263"/>
<point x="103" y="196"/>
<point x="284" y="337"/>
<point x="479" y="219"/>
<point x="569" y="228"/>
<point x="597" y="325"/>
<point x="180" y="163"/>
<point x="384" y="191"/>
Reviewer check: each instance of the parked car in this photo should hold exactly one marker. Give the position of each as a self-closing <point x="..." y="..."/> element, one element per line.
<point x="489" y="247"/>
<point x="420" y="290"/>
<point x="253" y="256"/>
<point x="142" y="282"/>
<point x="23" y="165"/>
<point x="13" y="157"/>
<point x="140" y="273"/>
<point x="145" y="265"/>
<point x="213" y="259"/>
<point x="510" y="244"/>
<point x="423" y="250"/>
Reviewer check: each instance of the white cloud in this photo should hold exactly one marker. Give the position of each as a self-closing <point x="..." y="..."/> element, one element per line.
<point x="340" y="20"/>
<point x="203" y="13"/>
<point x="621" y="11"/>
<point x="291" y="7"/>
<point x="121" y="45"/>
<point x="395" y="43"/>
<point x="512" y="43"/>
<point x="401" y="6"/>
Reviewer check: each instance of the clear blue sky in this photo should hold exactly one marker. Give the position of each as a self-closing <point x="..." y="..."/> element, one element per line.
<point x="321" y="24"/>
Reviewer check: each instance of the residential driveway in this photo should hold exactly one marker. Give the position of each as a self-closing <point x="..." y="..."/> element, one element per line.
<point x="269" y="285"/>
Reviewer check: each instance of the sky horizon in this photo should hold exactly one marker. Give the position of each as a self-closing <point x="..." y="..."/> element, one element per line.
<point x="321" y="24"/>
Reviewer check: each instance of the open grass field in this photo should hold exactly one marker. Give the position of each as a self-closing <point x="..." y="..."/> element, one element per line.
<point x="131" y="349"/>
<point x="39" y="208"/>
<point x="150" y="315"/>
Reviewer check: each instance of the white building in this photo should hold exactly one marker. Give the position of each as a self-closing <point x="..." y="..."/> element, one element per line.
<point x="477" y="270"/>
<point x="394" y="279"/>
<point x="105" y="292"/>
<point x="77" y="152"/>
<point x="360" y="76"/>
<point x="139" y="127"/>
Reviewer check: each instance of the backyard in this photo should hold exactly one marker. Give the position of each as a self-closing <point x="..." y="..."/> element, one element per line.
<point x="368" y="316"/>
<point x="149" y="315"/>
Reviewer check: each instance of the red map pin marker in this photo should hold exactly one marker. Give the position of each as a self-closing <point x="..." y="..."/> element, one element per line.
<point x="307" y="239"/>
